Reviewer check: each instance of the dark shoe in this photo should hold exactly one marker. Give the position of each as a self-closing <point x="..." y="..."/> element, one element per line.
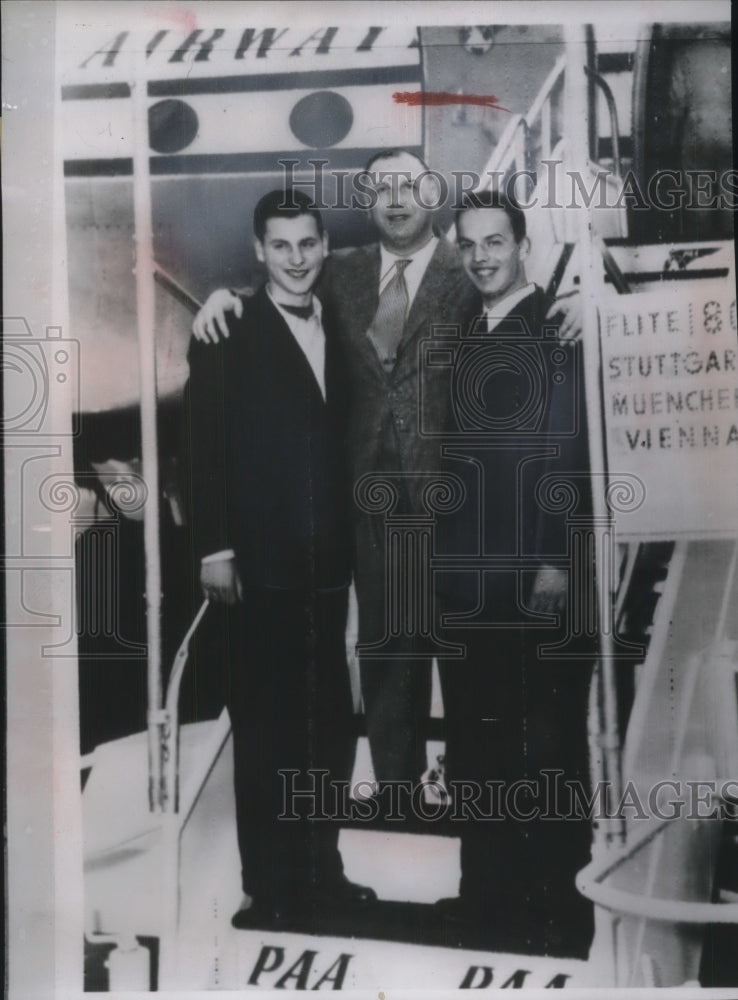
<point x="471" y="923"/>
<point x="267" y="914"/>
<point x="447" y="906"/>
<point x="457" y="922"/>
<point x="342" y="893"/>
<point x="456" y="908"/>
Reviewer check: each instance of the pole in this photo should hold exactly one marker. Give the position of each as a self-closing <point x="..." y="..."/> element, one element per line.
<point x="144" y="270"/>
<point x="612" y="831"/>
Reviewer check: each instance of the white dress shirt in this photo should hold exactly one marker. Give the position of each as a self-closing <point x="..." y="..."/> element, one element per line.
<point x="309" y="335"/>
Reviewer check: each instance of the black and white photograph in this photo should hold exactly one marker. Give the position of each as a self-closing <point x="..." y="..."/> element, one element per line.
<point x="370" y="462"/>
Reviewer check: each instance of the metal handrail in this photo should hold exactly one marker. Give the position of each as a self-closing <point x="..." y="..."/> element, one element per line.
<point x="613" y="112"/>
<point x="166" y="720"/>
<point x="175" y="289"/>
<point x="612" y="269"/>
<point x="170" y="720"/>
<point x="546" y="90"/>
<point x="505" y="152"/>
<point x="589" y="882"/>
<point x="631" y="558"/>
<point x="514" y="139"/>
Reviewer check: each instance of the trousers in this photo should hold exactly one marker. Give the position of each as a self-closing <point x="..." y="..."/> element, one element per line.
<point x="516" y="750"/>
<point x="290" y="704"/>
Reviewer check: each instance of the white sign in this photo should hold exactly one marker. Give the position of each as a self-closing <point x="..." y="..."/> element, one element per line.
<point x="670" y="399"/>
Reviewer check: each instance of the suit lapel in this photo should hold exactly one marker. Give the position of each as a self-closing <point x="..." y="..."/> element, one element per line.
<point x="523" y="309"/>
<point x="439" y="274"/>
<point x="366" y="298"/>
<point x="336" y="374"/>
<point x="362" y="296"/>
<point x="284" y="347"/>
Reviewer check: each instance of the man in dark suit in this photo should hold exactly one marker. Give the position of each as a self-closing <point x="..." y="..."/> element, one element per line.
<point x="516" y="427"/>
<point x="266" y="425"/>
<point x="385" y="439"/>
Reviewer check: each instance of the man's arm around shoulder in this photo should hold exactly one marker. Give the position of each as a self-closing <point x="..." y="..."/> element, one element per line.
<point x="211" y="324"/>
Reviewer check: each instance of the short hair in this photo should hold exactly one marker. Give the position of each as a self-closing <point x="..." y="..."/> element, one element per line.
<point x="283" y="204"/>
<point x="388" y="154"/>
<point x="494" y="199"/>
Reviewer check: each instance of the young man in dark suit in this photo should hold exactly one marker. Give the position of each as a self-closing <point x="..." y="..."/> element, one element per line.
<point x="516" y="427"/>
<point x="267" y="414"/>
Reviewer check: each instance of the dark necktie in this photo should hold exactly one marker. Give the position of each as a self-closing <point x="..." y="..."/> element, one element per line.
<point x="389" y="321"/>
<point x="304" y="312"/>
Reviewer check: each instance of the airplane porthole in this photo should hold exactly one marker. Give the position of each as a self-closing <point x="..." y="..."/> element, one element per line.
<point x="321" y="119"/>
<point x="173" y="126"/>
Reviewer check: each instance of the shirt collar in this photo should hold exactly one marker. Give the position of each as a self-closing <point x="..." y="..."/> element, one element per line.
<point x="502" y="307"/>
<point x="421" y="256"/>
<point x="290" y="317"/>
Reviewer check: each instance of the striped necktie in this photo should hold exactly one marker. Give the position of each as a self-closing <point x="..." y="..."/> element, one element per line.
<point x="389" y="321"/>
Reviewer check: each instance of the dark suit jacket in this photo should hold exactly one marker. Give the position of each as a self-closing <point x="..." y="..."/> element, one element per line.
<point x="267" y="453"/>
<point x="517" y="415"/>
<point x="384" y="426"/>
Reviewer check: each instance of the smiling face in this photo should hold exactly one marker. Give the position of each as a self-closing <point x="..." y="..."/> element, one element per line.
<point x="491" y="256"/>
<point x="293" y="251"/>
<point x="404" y="224"/>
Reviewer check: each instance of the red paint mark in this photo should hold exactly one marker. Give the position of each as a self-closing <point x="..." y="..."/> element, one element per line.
<point x="431" y="98"/>
<point x="186" y="19"/>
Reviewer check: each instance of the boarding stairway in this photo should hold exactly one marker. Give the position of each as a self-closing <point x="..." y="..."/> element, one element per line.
<point x="160" y="889"/>
<point x="169" y="882"/>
